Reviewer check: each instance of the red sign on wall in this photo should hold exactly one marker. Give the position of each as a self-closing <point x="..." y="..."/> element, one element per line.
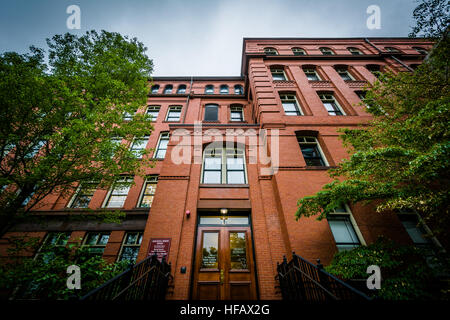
<point x="160" y="246"/>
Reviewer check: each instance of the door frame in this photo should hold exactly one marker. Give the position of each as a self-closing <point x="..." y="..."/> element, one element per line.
<point x="194" y="250"/>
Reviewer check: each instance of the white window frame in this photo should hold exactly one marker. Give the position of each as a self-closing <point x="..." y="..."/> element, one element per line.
<point x="271" y="51"/>
<point x="161" y="136"/>
<point x="111" y="191"/>
<point x="326" y="49"/>
<point x="86" y="236"/>
<point x="328" y="97"/>
<point x="125" y="245"/>
<point x="153" y="107"/>
<point x="291" y="97"/>
<point x="310" y="71"/>
<point x="235" y="108"/>
<point x="278" y="71"/>
<point x="354" y="51"/>
<point x="173" y="108"/>
<point x="150" y="179"/>
<point x="297" y="49"/>
<point x="305" y="141"/>
<point x="77" y="192"/>
<point x="348" y="213"/>
<point x="133" y="149"/>
<point x="223" y="168"/>
<point x="341" y="70"/>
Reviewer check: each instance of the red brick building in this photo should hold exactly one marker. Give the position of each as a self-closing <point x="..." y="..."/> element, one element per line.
<point x="227" y="219"/>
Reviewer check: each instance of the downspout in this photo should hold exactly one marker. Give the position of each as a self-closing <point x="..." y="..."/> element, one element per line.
<point x="379" y="51"/>
<point x="187" y="100"/>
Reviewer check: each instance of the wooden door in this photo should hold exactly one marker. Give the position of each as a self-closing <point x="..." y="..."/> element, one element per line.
<point x="224" y="268"/>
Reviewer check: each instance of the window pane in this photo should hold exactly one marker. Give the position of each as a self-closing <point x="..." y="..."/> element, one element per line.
<point x="129" y="253"/>
<point x="410" y="224"/>
<point x="211" y="113"/>
<point x="92" y="239"/>
<point x="235" y="177"/>
<point x="146" y="201"/>
<point x="131" y="238"/>
<point x="235" y="163"/>
<point x="342" y="230"/>
<point x="238" y="250"/>
<point x="161" y="154"/>
<point x="210" y="258"/>
<point x="213" y="163"/>
<point x="290" y="106"/>
<point x="103" y="239"/>
<point x="212" y="177"/>
<point x="116" y="201"/>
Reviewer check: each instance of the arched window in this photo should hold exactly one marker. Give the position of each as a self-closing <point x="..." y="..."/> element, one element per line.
<point x="168" y="89"/>
<point x="238" y="89"/>
<point x="420" y="50"/>
<point x="223" y="165"/>
<point x="224" y="89"/>
<point x="391" y="49"/>
<point x="209" y="89"/>
<point x="298" y="52"/>
<point x="326" y="51"/>
<point x="181" y="89"/>
<point x="270" y="51"/>
<point x="354" y="51"/>
<point x="155" y="89"/>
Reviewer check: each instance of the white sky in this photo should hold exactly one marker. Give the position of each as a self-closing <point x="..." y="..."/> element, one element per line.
<point x="199" y="37"/>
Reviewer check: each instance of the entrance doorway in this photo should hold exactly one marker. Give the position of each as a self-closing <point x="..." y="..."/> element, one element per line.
<point x="224" y="264"/>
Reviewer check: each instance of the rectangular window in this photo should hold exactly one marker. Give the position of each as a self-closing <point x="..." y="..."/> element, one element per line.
<point x="84" y="194"/>
<point x="236" y="114"/>
<point x="343" y="232"/>
<point x="119" y="193"/>
<point x="153" y="111"/>
<point x="311" y="74"/>
<point x="148" y="192"/>
<point x="224" y="166"/>
<point x="52" y="240"/>
<point x="290" y="105"/>
<point x="311" y="151"/>
<point x="96" y="242"/>
<point x="162" y="145"/>
<point x="278" y="74"/>
<point x="211" y="112"/>
<point x="345" y="75"/>
<point x="174" y="113"/>
<point x="130" y="246"/>
<point x="35" y="149"/>
<point x="138" y="146"/>
<point x="415" y="231"/>
<point x="331" y="105"/>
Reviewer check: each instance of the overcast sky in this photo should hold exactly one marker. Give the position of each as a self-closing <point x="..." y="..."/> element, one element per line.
<point x="200" y="37"/>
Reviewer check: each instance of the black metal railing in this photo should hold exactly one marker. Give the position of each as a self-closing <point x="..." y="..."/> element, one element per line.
<point x="147" y="280"/>
<point x="301" y="280"/>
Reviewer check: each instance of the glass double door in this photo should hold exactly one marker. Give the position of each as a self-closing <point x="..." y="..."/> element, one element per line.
<point x="224" y="267"/>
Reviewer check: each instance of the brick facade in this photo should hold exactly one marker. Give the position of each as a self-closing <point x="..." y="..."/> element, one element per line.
<point x="270" y="200"/>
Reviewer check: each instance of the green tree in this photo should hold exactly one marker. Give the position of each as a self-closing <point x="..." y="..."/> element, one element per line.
<point x="406" y="274"/>
<point x="400" y="160"/>
<point x="59" y="114"/>
<point x="44" y="276"/>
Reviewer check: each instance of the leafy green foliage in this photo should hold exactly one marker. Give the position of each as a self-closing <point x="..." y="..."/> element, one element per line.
<point x="57" y="119"/>
<point x="401" y="159"/>
<point x="45" y="277"/>
<point x="432" y="18"/>
<point x="405" y="273"/>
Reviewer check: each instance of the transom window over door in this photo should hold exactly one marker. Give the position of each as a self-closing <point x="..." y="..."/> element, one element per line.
<point x="224" y="166"/>
<point x="211" y="112"/>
